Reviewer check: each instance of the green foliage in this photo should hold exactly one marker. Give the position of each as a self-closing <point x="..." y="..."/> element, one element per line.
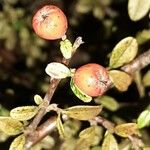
<point x="83" y="112"/>
<point x="82" y="96"/>
<point x="10" y="126"/>
<point x="123" y="52"/>
<point x="24" y="113"/>
<point x="120" y="79"/>
<point x="18" y="143"/>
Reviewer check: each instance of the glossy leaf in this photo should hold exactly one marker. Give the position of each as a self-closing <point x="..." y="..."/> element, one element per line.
<point x="18" y="143"/>
<point x="24" y="113"/>
<point x="38" y="99"/>
<point x="137" y="9"/>
<point x="57" y="70"/>
<point x="82" y="96"/>
<point x="123" y="52"/>
<point x="60" y="127"/>
<point x="144" y="119"/>
<point x="107" y="102"/>
<point x="66" y="48"/>
<point x="127" y="129"/>
<point x="10" y="126"/>
<point x="120" y="79"/>
<point x="109" y="143"/>
<point x="86" y="132"/>
<point x="146" y="79"/>
<point x="83" y="112"/>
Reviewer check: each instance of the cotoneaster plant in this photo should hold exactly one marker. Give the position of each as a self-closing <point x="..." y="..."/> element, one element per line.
<point x="92" y="79"/>
<point x="50" y="22"/>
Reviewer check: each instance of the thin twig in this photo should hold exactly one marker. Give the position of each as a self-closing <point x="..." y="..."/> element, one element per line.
<point x="47" y="99"/>
<point x="137" y="64"/>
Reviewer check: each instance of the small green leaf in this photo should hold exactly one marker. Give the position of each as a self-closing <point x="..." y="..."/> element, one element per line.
<point x="86" y="138"/>
<point x="146" y="79"/>
<point x="57" y="70"/>
<point x="24" y="113"/>
<point x="137" y="9"/>
<point x="110" y="143"/>
<point x="144" y="119"/>
<point x="38" y="99"/>
<point x="83" y="112"/>
<point x="123" y="52"/>
<point x="127" y="129"/>
<point x="18" y="143"/>
<point x="120" y="79"/>
<point x="10" y="126"/>
<point x="60" y="127"/>
<point x="107" y="102"/>
<point x="82" y="96"/>
<point x="66" y="48"/>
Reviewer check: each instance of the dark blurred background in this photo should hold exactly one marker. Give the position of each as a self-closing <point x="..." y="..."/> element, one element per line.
<point x="24" y="56"/>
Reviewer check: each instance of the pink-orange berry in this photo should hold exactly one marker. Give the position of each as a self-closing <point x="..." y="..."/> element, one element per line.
<point x="50" y="22"/>
<point x="92" y="79"/>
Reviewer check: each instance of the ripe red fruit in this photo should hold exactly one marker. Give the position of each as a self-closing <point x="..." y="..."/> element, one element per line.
<point x="92" y="79"/>
<point x="50" y="22"/>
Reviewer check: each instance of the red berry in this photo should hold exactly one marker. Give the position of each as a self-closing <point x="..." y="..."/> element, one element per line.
<point x="50" y="22"/>
<point x="92" y="79"/>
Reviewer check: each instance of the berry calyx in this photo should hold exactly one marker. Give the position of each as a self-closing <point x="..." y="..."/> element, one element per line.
<point x="92" y="79"/>
<point x="50" y="22"/>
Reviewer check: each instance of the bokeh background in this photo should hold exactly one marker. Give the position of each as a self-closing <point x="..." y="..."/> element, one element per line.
<point x="24" y="56"/>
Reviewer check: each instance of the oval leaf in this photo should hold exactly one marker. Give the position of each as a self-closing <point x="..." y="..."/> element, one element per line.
<point x="57" y="70"/>
<point x="24" y="113"/>
<point x="127" y="129"/>
<point x="87" y="132"/>
<point x="86" y="138"/>
<point x="66" y="48"/>
<point x="60" y="127"/>
<point x="18" y="143"/>
<point x="120" y="79"/>
<point x="38" y="99"/>
<point x="107" y="102"/>
<point x="10" y="126"/>
<point x="123" y="52"/>
<point x="144" y="119"/>
<point x="137" y="9"/>
<point x="83" y="112"/>
<point x="82" y="96"/>
<point x="109" y="143"/>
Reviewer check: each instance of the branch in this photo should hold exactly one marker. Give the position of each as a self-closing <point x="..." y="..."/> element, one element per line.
<point x="34" y="137"/>
<point x="47" y="99"/>
<point x="137" y="64"/>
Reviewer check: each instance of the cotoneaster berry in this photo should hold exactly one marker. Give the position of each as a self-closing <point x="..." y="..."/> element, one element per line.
<point x="92" y="79"/>
<point x="50" y="23"/>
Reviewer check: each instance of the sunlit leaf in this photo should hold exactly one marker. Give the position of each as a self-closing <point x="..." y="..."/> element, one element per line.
<point x="57" y="70"/>
<point x="109" y="143"/>
<point x="10" y="126"/>
<point x="120" y="79"/>
<point x="137" y="9"/>
<point x="38" y="99"/>
<point x="144" y="119"/>
<point x="66" y="48"/>
<point x="123" y="52"/>
<point x="146" y="79"/>
<point x="107" y="102"/>
<point x="82" y="96"/>
<point x="83" y="112"/>
<point x="87" y="132"/>
<point x="127" y="129"/>
<point x="60" y="127"/>
<point x="24" y="113"/>
<point x="18" y="143"/>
